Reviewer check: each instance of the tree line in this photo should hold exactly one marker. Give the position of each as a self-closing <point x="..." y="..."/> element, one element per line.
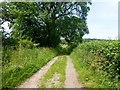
<point x="46" y="22"/>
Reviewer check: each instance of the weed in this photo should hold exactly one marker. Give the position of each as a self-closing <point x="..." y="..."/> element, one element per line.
<point x="23" y="63"/>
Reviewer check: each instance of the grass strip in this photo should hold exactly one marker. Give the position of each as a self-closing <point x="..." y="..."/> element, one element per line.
<point x="55" y="76"/>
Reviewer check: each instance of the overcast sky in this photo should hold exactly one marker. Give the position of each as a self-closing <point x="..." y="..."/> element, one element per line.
<point x="102" y="19"/>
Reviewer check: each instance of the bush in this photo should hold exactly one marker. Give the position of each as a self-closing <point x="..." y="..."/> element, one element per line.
<point x="12" y="45"/>
<point x="101" y="59"/>
<point x="27" y="43"/>
<point x="108" y="50"/>
<point x="9" y="41"/>
<point x="71" y="47"/>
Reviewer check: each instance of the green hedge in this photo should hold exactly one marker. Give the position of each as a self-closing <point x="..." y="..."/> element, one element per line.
<point x="102" y="59"/>
<point x="110" y="50"/>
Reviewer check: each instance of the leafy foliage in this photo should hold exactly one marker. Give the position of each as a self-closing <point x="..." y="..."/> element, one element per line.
<point x="100" y="61"/>
<point x="27" y="43"/>
<point x="110" y="51"/>
<point x="46" y="22"/>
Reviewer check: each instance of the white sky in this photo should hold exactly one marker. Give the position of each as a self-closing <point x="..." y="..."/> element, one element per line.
<point x="102" y="19"/>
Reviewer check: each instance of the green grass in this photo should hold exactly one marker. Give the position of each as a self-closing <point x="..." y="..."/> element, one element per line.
<point x="89" y="75"/>
<point x="23" y="63"/>
<point x="57" y="68"/>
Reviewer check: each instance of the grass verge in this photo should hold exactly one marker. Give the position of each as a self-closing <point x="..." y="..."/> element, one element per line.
<point x="90" y="76"/>
<point x="55" y="76"/>
<point x="23" y="63"/>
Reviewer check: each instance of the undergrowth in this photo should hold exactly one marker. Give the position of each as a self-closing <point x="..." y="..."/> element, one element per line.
<point x="20" y="64"/>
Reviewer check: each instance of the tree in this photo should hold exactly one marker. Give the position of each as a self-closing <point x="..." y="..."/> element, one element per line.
<point x="47" y="22"/>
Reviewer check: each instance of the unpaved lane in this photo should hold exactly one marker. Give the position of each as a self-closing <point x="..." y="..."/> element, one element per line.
<point x="33" y="81"/>
<point x="71" y="76"/>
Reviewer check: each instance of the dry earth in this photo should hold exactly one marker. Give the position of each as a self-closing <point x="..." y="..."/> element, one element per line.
<point x="71" y="76"/>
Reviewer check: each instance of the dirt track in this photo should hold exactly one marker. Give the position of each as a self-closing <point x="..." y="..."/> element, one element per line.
<point x="71" y="76"/>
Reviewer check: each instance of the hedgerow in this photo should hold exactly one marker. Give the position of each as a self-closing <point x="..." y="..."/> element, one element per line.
<point x="98" y="63"/>
<point x="108" y="50"/>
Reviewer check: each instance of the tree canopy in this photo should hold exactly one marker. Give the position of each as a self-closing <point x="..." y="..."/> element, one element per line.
<point x="46" y="22"/>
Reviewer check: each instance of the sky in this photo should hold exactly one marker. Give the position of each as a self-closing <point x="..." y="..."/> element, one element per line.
<point x="102" y="20"/>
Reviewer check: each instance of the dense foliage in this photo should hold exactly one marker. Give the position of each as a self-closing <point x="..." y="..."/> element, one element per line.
<point x="110" y="51"/>
<point x="46" y="22"/>
<point x="20" y="64"/>
<point x="103" y="57"/>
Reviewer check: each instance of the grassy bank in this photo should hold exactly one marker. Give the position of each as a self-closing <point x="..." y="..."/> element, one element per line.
<point x="55" y="76"/>
<point x="23" y="63"/>
<point x="97" y="64"/>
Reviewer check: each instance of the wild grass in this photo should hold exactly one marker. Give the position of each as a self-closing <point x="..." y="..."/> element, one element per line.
<point x="23" y="63"/>
<point x="89" y="75"/>
<point x="49" y="79"/>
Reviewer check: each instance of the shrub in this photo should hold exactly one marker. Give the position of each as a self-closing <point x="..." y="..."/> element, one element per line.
<point x="27" y="43"/>
<point x="100" y="58"/>
<point x="108" y="50"/>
